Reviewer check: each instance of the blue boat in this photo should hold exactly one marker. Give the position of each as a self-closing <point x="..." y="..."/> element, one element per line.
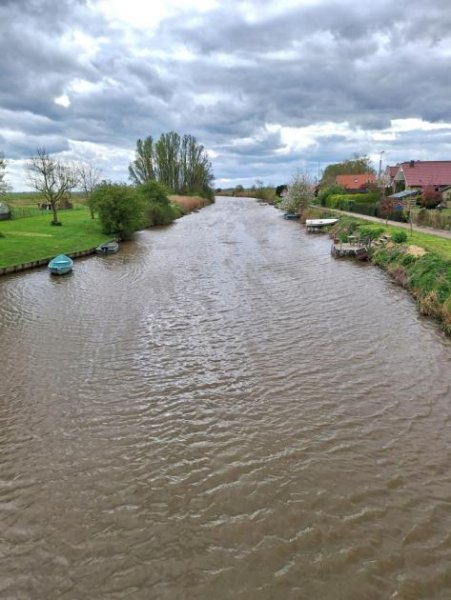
<point x="291" y="216"/>
<point x="60" y="265"/>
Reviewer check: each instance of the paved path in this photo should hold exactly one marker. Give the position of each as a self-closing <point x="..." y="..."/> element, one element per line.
<point x="443" y="233"/>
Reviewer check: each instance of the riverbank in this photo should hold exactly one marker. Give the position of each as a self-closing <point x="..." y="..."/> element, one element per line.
<point x="31" y="242"/>
<point x="421" y="264"/>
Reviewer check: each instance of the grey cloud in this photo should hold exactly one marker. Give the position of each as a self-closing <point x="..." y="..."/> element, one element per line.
<point x="321" y="63"/>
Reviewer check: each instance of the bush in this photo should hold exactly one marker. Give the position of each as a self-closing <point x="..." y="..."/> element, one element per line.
<point x="349" y="201"/>
<point x="330" y="190"/>
<point x="2" y="235"/>
<point x="399" y="237"/>
<point x="370" y="232"/>
<point x="121" y="209"/>
<point x="430" y="198"/>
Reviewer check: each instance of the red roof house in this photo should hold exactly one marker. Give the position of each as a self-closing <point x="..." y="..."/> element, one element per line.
<point x="355" y="183"/>
<point x="424" y="173"/>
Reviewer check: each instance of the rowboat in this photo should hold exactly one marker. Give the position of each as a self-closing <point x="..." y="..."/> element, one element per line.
<point x="291" y="216"/>
<point x="60" y="265"/>
<point x="108" y="248"/>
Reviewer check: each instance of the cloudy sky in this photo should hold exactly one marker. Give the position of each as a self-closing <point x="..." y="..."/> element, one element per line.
<point x="267" y="87"/>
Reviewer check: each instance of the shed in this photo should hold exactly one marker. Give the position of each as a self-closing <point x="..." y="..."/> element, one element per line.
<point x="5" y="211"/>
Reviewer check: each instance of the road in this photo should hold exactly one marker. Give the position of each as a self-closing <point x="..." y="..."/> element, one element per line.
<point x="437" y="232"/>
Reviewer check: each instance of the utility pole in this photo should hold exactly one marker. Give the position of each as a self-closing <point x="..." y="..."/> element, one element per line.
<point x="380" y="164"/>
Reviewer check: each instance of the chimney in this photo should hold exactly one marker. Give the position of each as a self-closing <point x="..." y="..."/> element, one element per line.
<point x="412" y="163"/>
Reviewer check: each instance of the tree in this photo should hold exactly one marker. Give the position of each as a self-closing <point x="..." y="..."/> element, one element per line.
<point x="179" y="163"/>
<point x="300" y="194"/>
<point x="280" y="189"/>
<point x="142" y="168"/>
<point x="52" y="178"/>
<point x="386" y="208"/>
<point x="3" y="184"/>
<point x="409" y="204"/>
<point x="121" y="210"/>
<point x="195" y="168"/>
<point x="351" y="166"/>
<point x="167" y="158"/>
<point x="89" y="179"/>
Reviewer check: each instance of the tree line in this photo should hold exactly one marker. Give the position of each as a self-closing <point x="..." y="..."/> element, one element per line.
<point x="179" y="163"/>
<point x="174" y="164"/>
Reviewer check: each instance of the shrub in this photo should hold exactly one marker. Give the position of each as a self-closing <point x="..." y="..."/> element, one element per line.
<point x="430" y="198"/>
<point x="399" y="237"/>
<point x="2" y="235"/>
<point x="370" y="231"/>
<point x="349" y="201"/>
<point x="120" y="208"/>
<point x="330" y="190"/>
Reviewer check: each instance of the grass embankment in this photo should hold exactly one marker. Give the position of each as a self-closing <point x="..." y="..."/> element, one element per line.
<point x="33" y="238"/>
<point x="422" y="264"/>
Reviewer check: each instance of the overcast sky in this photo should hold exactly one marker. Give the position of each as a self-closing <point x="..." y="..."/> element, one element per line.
<point x="267" y="87"/>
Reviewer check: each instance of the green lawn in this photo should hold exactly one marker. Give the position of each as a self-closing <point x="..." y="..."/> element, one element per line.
<point x="437" y="245"/>
<point x="33" y="238"/>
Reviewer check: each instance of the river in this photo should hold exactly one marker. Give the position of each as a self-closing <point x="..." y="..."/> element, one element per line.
<point x="222" y="410"/>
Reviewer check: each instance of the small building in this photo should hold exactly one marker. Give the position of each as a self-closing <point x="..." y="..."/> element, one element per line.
<point x="355" y="183"/>
<point x="400" y="198"/>
<point x="5" y="211"/>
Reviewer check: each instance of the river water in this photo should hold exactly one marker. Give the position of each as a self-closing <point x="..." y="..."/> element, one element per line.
<point x="222" y="410"/>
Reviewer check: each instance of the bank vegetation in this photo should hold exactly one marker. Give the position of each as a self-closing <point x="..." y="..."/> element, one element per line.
<point x="419" y="262"/>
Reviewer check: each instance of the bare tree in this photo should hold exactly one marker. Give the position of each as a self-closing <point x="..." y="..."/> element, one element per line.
<point x="52" y="178"/>
<point x="88" y="179"/>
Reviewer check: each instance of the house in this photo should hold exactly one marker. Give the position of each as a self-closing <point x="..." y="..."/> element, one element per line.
<point x="446" y="197"/>
<point x="355" y="183"/>
<point x="419" y="174"/>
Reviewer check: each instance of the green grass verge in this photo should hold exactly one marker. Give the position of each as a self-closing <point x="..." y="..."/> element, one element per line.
<point x="431" y="243"/>
<point x="33" y="238"/>
<point x="427" y="277"/>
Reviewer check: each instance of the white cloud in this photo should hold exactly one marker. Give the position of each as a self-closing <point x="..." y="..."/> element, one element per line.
<point x="140" y="14"/>
<point x="62" y="100"/>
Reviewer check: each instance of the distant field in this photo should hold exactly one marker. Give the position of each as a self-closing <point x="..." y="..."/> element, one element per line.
<point x="34" y="238"/>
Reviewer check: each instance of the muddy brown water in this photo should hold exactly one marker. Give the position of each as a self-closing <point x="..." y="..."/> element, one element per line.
<point x="222" y="410"/>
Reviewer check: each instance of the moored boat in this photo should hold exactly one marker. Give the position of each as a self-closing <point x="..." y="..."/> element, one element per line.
<point x="291" y="216"/>
<point x="108" y="248"/>
<point x="60" y="265"/>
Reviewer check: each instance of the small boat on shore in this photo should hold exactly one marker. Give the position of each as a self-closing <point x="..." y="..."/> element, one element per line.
<point x="108" y="248"/>
<point x="60" y="265"/>
<point x="291" y="216"/>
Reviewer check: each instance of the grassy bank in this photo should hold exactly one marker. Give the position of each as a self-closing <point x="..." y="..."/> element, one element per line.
<point x="431" y="243"/>
<point x="427" y="277"/>
<point x="33" y="238"/>
<point x="421" y="264"/>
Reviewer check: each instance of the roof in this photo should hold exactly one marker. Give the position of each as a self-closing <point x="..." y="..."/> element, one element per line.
<point x="404" y="194"/>
<point x="355" y="182"/>
<point x="420" y="173"/>
<point x="391" y="171"/>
